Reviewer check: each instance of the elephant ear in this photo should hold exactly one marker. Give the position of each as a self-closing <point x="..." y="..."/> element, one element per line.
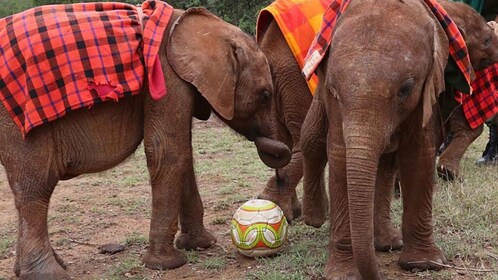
<point x="434" y="82"/>
<point x="200" y="52"/>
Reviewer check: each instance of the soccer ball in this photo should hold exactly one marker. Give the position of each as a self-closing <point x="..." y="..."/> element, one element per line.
<point x="258" y="228"/>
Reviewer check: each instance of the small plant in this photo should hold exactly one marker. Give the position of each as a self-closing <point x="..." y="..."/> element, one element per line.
<point x="62" y="242"/>
<point x="136" y="239"/>
<point x="193" y="257"/>
<point x="213" y="263"/>
<point x="219" y="221"/>
<point x="122" y="269"/>
<point x="5" y="244"/>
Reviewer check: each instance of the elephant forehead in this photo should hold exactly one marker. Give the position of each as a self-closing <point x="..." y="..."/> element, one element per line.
<point x="374" y="65"/>
<point x="253" y="63"/>
<point x="396" y="33"/>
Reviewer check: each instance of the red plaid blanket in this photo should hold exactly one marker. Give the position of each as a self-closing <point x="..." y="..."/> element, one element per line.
<point x="323" y="39"/>
<point x="58" y="58"/>
<point x="483" y="103"/>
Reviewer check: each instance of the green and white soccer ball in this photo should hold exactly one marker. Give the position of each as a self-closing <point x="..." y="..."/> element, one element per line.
<point x="259" y="228"/>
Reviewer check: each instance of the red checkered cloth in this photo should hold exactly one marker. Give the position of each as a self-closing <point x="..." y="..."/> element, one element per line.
<point x="58" y="58"/>
<point x="458" y="49"/>
<point x="483" y="103"/>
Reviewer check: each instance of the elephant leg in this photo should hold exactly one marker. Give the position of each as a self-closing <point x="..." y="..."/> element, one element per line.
<point x="291" y="102"/>
<point x="313" y="137"/>
<point x="449" y="161"/>
<point x="166" y="170"/>
<point x="416" y="166"/>
<point x="281" y="188"/>
<point x="168" y="149"/>
<point x="35" y="257"/>
<point x="386" y="237"/>
<point x="193" y="234"/>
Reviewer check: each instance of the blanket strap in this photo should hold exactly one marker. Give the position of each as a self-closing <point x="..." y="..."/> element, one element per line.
<point x="140" y="12"/>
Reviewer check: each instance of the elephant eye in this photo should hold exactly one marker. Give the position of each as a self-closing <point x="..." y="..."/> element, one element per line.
<point x="406" y="87"/>
<point x="487" y="42"/>
<point x="264" y="97"/>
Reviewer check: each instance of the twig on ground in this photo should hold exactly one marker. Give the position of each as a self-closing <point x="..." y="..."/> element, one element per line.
<point x="79" y="242"/>
<point x="224" y="249"/>
<point x="455" y="267"/>
<point x="491" y="255"/>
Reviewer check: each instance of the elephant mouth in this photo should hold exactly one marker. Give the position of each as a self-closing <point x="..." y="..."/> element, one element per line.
<point x="272" y="153"/>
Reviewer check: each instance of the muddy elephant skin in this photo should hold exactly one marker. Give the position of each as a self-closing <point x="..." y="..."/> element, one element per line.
<point x="375" y="108"/>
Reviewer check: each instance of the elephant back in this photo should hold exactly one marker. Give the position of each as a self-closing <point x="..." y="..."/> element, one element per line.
<point x="60" y="58"/>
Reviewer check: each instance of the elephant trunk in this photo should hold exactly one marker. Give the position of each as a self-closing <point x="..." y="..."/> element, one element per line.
<point x="362" y="159"/>
<point x="273" y="153"/>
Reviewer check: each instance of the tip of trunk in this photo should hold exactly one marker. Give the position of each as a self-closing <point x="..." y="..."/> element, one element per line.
<point x="272" y="153"/>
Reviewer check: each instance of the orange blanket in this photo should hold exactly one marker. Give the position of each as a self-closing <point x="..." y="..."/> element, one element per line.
<point x="299" y="21"/>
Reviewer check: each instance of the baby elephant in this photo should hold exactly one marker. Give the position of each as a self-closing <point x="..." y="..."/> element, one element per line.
<point x="375" y="107"/>
<point x="465" y="119"/>
<point x="205" y="64"/>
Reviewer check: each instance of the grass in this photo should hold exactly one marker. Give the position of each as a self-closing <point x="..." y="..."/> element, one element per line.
<point x="219" y="221"/>
<point x="303" y="257"/>
<point x="136" y="239"/>
<point x="131" y="206"/>
<point x="122" y="270"/>
<point x="229" y="172"/>
<point x="6" y="243"/>
<point x="213" y="263"/>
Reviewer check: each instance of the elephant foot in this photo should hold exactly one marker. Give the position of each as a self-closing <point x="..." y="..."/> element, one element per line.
<point x="315" y="212"/>
<point x="52" y="270"/>
<point x="388" y="239"/>
<point x="49" y="270"/>
<point x="17" y="266"/>
<point x="194" y="240"/>
<point x="314" y="216"/>
<point x="172" y="259"/>
<point x="341" y="271"/>
<point x="291" y="207"/>
<point x="416" y="260"/>
<point x="446" y="173"/>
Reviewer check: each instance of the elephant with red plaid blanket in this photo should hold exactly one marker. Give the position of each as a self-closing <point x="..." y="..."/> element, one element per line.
<point x="375" y="112"/>
<point x="464" y="118"/>
<point x="209" y="66"/>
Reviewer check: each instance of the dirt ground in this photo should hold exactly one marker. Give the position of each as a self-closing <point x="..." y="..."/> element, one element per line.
<point x="114" y="207"/>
